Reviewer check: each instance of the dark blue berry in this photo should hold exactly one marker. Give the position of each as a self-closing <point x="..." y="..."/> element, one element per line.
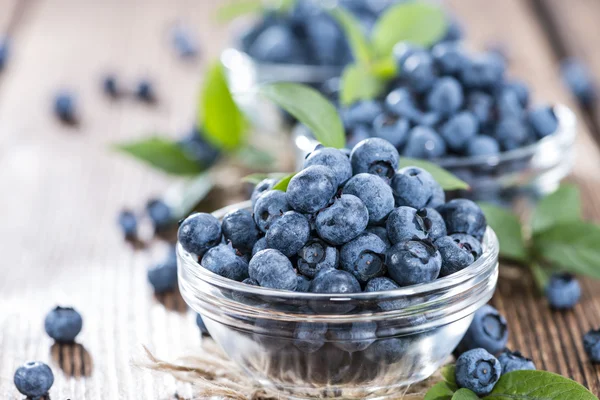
<point x="459" y="130"/>
<point x="65" y="107"/>
<point x="315" y="256"/>
<point x="511" y="133"/>
<point x="424" y="142"/>
<point x="419" y="71"/>
<point x="262" y="187"/>
<point x="403" y="50"/>
<point x="269" y="207"/>
<point x="400" y="103"/>
<point x="289" y="233"/>
<point x="271" y="269"/>
<point x="325" y="40"/>
<point x="405" y="223"/>
<point x="34" y="379"/>
<point x="63" y="324"/>
<point x="333" y="159"/>
<point x="199" y="149"/>
<point x="416" y="188"/>
<point x="488" y="330"/>
<point x="375" y="156"/>
<point x="361" y="113"/>
<point x="464" y="216"/>
<point x="480" y="104"/>
<point x="563" y="291"/>
<point x="334" y="281"/>
<point x="520" y="89"/>
<point x="276" y="44"/>
<point x="478" y="371"/>
<point x="543" y="121"/>
<point x="412" y="262"/>
<point x="454" y="256"/>
<point x="110" y="86"/>
<point x="383" y="284"/>
<point x="310" y="336"/>
<point x="201" y="325"/>
<point x="591" y="344"/>
<point x="446" y="96"/>
<point x="515" y="361"/>
<point x="344" y="220"/>
<point x="311" y="189"/>
<point x="357" y="134"/>
<point x="145" y="91"/>
<point x="223" y="260"/>
<point x="388" y="351"/>
<point x="4" y="50"/>
<point x="482" y="145"/>
<point x="260" y="244"/>
<point x="374" y="192"/>
<point x="483" y="72"/>
<point x="303" y="283"/>
<point x="239" y="228"/>
<point x="159" y="213"/>
<point x="449" y="57"/>
<point x="163" y="277"/>
<point x="183" y="42"/>
<point x="392" y="129"/>
<point x="353" y="337"/>
<point x="468" y="242"/>
<point x="199" y="232"/>
<point x="508" y="104"/>
<point x="128" y="223"/>
<point x="381" y="232"/>
<point x="579" y="80"/>
<point x="364" y="257"/>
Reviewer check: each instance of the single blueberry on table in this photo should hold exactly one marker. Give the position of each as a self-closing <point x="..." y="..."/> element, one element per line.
<point x="353" y="337"/>
<point x="163" y="277"/>
<point x="110" y="86"/>
<point x="63" y="324"/>
<point x="482" y="145"/>
<point x="342" y="221"/>
<point x="488" y="331"/>
<point x="511" y="133"/>
<point x="459" y="130"/>
<point x="311" y="189"/>
<point x="446" y="96"/>
<point x="374" y="192"/>
<point x="303" y="283"/>
<point x="364" y="257"/>
<point x="33" y="379"/>
<point x="543" y="121"/>
<point x="454" y="256"/>
<point x="333" y="159"/>
<point x="315" y="256"/>
<point x="145" y="91"/>
<point x="260" y="244"/>
<point x="375" y="156"/>
<point x="65" y="107"/>
<point x="424" y="142"/>
<point x="289" y="233"/>
<point x="563" y="291"/>
<point x="334" y="281"/>
<point x="361" y="113"/>
<point x="412" y="262"/>
<point x="269" y="207"/>
<point x="159" y="213"/>
<point x="579" y="80"/>
<point x="199" y="232"/>
<point x="184" y="42"/>
<point x="128" y="223"/>
<point x="262" y="187"/>
<point x="271" y="269"/>
<point x="478" y="371"/>
<point x="464" y="216"/>
<point x="591" y="344"/>
<point x="223" y="260"/>
<point x="514" y="361"/>
<point x="310" y="336"/>
<point x="392" y="129"/>
<point x="414" y="187"/>
<point x="3" y="52"/>
<point x="239" y="228"/>
<point x="201" y="325"/>
<point x="419" y="71"/>
<point x="449" y="57"/>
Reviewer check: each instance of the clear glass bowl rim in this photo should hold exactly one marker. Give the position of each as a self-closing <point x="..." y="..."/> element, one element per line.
<point x="486" y="262"/>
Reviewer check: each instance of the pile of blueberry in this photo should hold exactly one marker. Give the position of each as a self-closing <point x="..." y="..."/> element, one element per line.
<point x="347" y="223"/>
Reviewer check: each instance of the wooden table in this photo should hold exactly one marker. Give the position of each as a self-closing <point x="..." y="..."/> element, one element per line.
<point x="62" y="187"/>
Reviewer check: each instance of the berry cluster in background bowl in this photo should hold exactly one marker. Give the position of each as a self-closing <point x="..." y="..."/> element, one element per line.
<point x="357" y="278"/>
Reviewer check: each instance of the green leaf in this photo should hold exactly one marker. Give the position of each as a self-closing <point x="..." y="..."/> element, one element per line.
<point x="439" y="391"/>
<point x="574" y="246"/>
<point x="509" y="231"/>
<point x="235" y="9"/>
<point x="259" y="177"/>
<point x="540" y="276"/>
<point x="359" y="83"/>
<point x="254" y="158"/>
<point x="310" y="108"/>
<point x="538" y="385"/>
<point x="465" y="394"/>
<point x="284" y="182"/>
<point x="224" y="124"/>
<point x="384" y="68"/>
<point x="162" y="154"/>
<point x="361" y="48"/>
<point x="449" y="374"/>
<point x="564" y="205"/>
<point x="443" y="177"/>
<point x="420" y="23"/>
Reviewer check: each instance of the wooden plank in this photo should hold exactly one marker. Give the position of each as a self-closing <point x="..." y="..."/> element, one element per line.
<point x="553" y="339"/>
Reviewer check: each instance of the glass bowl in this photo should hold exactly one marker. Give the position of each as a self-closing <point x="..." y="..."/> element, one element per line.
<point x="351" y="346"/>
<point x="527" y="172"/>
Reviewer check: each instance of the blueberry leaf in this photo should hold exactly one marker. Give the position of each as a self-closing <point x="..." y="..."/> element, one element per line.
<point x="384" y="68"/>
<point x="572" y="245"/>
<point x="284" y="182"/>
<point x="310" y="108"/>
<point x="238" y="8"/>
<point x="449" y="374"/>
<point x="255" y="158"/>
<point x="443" y="177"/>
<point x="259" y="177"/>
<point x="224" y="124"/>
<point x="564" y="205"/>
<point x="465" y="394"/>
<point x="540" y="276"/>
<point x="509" y="231"/>
<point x="359" y="43"/>
<point x="538" y="385"/>
<point x="420" y="23"/>
<point x="439" y="391"/>
<point x="359" y="83"/>
<point x="162" y="154"/>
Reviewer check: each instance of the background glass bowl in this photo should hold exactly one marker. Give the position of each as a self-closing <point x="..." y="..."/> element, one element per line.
<point x="528" y="172"/>
<point x="402" y="336"/>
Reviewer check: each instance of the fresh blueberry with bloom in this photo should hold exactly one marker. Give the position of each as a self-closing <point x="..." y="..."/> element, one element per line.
<point x="375" y="156"/>
<point x="128" y="223"/>
<point x="310" y="336"/>
<point x="508" y="104"/>
<point x="400" y="102"/>
<point x="260" y="244"/>
<point x="468" y="242"/>
<point x="543" y="121"/>
<point x="201" y="325"/>
<point x="481" y="105"/>
<point x="381" y="232"/>
<point x="163" y="277"/>
<point x="272" y="269"/>
<point x="289" y="233"/>
<point x="488" y="331"/>
<point x="380" y="284"/>
<point x="342" y="221"/>
<point x="199" y="232"/>
<point x="334" y="281"/>
<point x="483" y="71"/>
<point x="449" y="57"/>
<point x="315" y="256"/>
<point x="276" y="44"/>
<point x="464" y="216"/>
<point x="63" y="324"/>
<point x="512" y="133"/>
<point x="514" y="361"/>
<point x="311" y="189"/>
<point x="424" y="142"/>
<point x="406" y="223"/>
<point x="591" y="344"/>
<point x="199" y="149"/>
<point x="65" y="107"/>
<point x="374" y="192"/>
<point x="388" y="351"/>
<point x="238" y="227"/>
<point x="563" y="291"/>
<point x="459" y="130"/>
<point x="419" y="71"/>
<point x="223" y="260"/>
<point x="302" y="283"/>
<point x="416" y="188"/>
<point x="353" y="337"/>
<point x="160" y="214"/>
<point x="482" y="145"/>
<point x="361" y="113"/>
<point x="478" y="371"/>
<point x="333" y="159"/>
<point x="390" y="128"/>
<point x="455" y="257"/>
<point x="261" y="187"/>
<point x="446" y="97"/>
<point x="413" y="261"/>
<point x="269" y="207"/>
<point x="33" y="379"/>
<point x="364" y="257"/>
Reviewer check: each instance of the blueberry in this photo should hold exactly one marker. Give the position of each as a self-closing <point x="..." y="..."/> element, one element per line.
<point x="383" y="284"/>
<point x="478" y="371"/>
<point x="361" y="113"/>
<point x="468" y="242"/>
<point x="464" y="216"/>
<point x="333" y="159"/>
<point x="4" y="48"/>
<point x="405" y="223"/>
<point x="199" y="149"/>
<point x="579" y="80"/>
<point x="381" y="232"/>
<point x="375" y="156"/>
<point x="145" y="91"/>
<point x="183" y="42"/>
<point x="163" y="277"/>
<point x="433" y="222"/>
<point x="400" y="102"/>
<point x="480" y="104"/>
<point x="511" y="133"/>
<point x="482" y="145"/>
<point x="303" y="283"/>
<point x="449" y="57"/>
<point x="403" y="50"/>
<point x="311" y="189"/>
<point x="334" y="281"/>
<point x="419" y="71"/>
<point x="223" y="260"/>
<point x="520" y="89"/>
<point x="65" y="107"/>
<point x="563" y="291"/>
<point x="428" y="119"/>
<point x="459" y="130"/>
<point x="201" y="325"/>
<point x="310" y="336"/>
<point x="239" y="228"/>
<point x="454" y="30"/>
<point x="415" y="187"/>
<point x="63" y="324"/>
<point x="159" y="213"/>
<point x="374" y="192"/>
<point x="289" y="233"/>
<point x="262" y="187"/>
<point x="344" y="220"/>
<point x="412" y="262"/>
<point x="364" y="257"/>
<point x="352" y="337"/>
<point x="508" y="104"/>
<point x="325" y="40"/>
<point x="269" y="207"/>
<point x="483" y="72"/>
<point x="260" y="244"/>
<point x="276" y="44"/>
<point x="273" y="270"/>
<point x="110" y="86"/>
<point x="34" y="379"/>
<point x="199" y="232"/>
<point x="454" y="256"/>
<point x="515" y="361"/>
<point x="424" y="142"/>
<point x="488" y="331"/>
<point x="388" y="351"/>
<point x="128" y="223"/>
<point x="446" y="96"/>
<point x="392" y="129"/>
<point x="315" y="256"/>
<point x="543" y="121"/>
<point x="591" y="344"/>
